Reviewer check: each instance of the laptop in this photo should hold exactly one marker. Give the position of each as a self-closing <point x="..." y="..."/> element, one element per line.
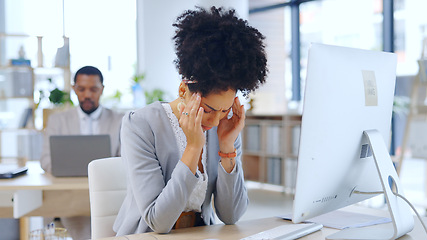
<point x="11" y="170"/>
<point x="70" y="154"/>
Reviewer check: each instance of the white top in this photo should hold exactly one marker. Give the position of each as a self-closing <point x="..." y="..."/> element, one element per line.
<point x="197" y="197"/>
<point x="89" y="124"/>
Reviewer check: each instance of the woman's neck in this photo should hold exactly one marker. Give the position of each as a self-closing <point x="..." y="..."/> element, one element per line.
<point x="174" y="106"/>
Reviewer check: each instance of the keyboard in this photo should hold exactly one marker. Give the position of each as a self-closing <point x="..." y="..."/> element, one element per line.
<point x="286" y="232"/>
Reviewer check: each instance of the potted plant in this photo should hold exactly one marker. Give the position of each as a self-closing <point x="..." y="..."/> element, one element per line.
<point x="155" y="95"/>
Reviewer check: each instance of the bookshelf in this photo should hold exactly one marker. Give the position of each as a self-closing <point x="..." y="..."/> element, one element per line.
<point x="17" y="129"/>
<point x="22" y="82"/>
<point x="16" y="97"/>
<point x="270" y="149"/>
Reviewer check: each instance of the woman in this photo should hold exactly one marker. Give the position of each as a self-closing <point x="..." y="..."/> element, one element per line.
<point x="180" y="154"/>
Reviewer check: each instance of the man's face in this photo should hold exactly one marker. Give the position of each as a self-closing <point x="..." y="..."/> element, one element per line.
<point x="88" y="89"/>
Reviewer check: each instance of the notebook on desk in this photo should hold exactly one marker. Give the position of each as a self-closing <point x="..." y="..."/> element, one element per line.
<point x="70" y="154"/>
<point x="11" y="170"/>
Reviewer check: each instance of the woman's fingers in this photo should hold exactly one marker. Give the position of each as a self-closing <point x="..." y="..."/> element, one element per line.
<point x="199" y="117"/>
<point x="239" y="113"/>
<point x="187" y="109"/>
<point x="191" y="122"/>
<point x="237" y="108"/>
<point x="188" y="106"/>
<point x="242" y="115"/>
<point x="190" y="116"/>
<point x="194" y="106"/>
<point x="181" y="107"/>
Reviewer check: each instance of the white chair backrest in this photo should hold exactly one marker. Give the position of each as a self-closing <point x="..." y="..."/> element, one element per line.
<point x="107" y="190"/>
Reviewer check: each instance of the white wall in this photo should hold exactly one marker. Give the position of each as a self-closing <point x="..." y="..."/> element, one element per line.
<point x="155" y="47"/>
<point x="156" y="51"/>
<point x="241" y="6"/>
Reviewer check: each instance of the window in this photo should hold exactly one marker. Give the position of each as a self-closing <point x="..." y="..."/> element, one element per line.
<point x="348" y="23"/>
<point x="102" y="34"/>
<point x="351" y="23"/>
<point x="410" y="31"/>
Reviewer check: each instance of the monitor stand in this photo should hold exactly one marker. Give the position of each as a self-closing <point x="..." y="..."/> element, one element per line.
<point x="400" y="213"/>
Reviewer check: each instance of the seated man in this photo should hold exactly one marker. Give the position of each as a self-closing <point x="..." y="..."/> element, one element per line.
<point x="89" y="118"/>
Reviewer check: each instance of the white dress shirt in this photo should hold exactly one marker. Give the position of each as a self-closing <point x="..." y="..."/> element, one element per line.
<point x="89" y="124"/>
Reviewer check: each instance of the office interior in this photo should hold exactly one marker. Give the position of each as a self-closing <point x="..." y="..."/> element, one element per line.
<point x="130" y="42"/>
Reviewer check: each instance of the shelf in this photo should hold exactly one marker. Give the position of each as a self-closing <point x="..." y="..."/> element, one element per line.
<point x="249" y="152"/>
<point x="20" y="87"/>
<point x="257" y="153"/>
<point x="2" y="67"/>
<point x="421" y="109"/>
<point x="270" y="147"/>
<point x="3" y="98"/>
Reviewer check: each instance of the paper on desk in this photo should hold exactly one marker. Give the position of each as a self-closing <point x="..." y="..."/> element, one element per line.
<point x="342" y="219"/>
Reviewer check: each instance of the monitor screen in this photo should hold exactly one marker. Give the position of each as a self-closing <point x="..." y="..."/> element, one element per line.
<point x="347" y="91"/>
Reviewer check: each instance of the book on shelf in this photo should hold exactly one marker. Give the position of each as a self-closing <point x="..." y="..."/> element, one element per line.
<point x="273" y="139"/>
<point x="20" y="62"/>
<point x="26" y="118"/>
<point x="16" y="82"/>
<point x="274" y="170"/>
<point x="296" y="131"/>
<point x="252" y="137"/>
<point x="30" y="144"/>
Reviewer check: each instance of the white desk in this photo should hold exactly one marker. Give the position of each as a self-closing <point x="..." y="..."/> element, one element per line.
<point x="40" y="194"/>
<point x="247" y="228"/>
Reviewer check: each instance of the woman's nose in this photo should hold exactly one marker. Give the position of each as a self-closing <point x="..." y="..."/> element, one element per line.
<point x="214" y="120"/>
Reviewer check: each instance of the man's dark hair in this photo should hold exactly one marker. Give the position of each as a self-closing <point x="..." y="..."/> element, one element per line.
<point x="219" y="51"/>
<point x="89" y="70"/>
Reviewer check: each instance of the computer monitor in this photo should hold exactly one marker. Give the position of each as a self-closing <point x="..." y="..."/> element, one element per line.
<point x="345" y="132"/>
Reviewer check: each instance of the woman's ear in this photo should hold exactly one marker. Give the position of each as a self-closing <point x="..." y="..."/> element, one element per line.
<point x="183" y="90"/>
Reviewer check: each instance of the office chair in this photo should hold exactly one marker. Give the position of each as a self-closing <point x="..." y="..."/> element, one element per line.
<point x="107" y="190"/>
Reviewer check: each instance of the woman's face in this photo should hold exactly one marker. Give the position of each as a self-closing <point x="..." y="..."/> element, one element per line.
<point x="216" y="106"/>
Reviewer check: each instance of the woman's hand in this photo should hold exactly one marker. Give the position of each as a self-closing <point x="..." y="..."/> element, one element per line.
<point x="229" y="129"/>
<point x="191" y="123"/>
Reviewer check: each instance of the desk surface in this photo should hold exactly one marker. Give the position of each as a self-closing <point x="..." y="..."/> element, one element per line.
<point x="68" y="196"/>
<point x="247" y="228"/>
<point x="37" y="179"/>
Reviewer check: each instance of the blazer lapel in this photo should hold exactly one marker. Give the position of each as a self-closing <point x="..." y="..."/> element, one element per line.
<point x="103" y="123"/>
<point x="74" y="122"/>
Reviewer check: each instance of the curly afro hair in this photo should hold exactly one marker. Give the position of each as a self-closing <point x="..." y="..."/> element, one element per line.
<point x="219" y="51"/>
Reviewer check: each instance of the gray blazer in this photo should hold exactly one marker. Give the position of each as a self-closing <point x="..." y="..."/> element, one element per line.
<point x="159" y="184"/>
<point x="68" y="123"/>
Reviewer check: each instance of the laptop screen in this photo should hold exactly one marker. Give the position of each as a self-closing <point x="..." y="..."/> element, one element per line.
<point x="70" y="154"/>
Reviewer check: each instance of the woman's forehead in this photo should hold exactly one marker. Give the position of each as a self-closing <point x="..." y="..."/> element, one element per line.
<point x="219" y="101"/>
